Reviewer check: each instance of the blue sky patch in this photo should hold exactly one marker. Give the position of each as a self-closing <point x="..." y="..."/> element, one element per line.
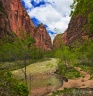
<point x="35" y="21"/>
<point x="23" y="3"/>
<point x="51" y="32"/>
<point x="38" y="4"/>
<point x="45" y="25"/>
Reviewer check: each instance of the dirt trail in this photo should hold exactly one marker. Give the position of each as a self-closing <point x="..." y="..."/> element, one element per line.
<point x="82" y="82"/>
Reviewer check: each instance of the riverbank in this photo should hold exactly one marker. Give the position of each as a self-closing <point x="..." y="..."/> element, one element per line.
<point x="83" y="83"/>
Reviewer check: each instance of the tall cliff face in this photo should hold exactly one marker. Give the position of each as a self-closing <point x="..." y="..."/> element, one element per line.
<point x="59" y="40"/>
<point x="5" y="29"/>
<point x="42" y="38"/>
<point x="16" y="19"/>
<point x="75" y="31"/>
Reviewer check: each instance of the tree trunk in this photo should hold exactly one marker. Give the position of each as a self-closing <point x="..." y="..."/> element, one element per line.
<point x="25" y="71"/>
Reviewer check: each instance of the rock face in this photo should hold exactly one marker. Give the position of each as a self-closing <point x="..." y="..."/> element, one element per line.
<point x="59" y="40"/>
<point x="16" y="19"/>
<point x="74" y="31"/>
<point x="4" y="23"/>
<point x="42" y="38"/>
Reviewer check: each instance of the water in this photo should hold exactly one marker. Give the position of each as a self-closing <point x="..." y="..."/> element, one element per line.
<point x="44" y="84"/>
<point x="41" y="77"/>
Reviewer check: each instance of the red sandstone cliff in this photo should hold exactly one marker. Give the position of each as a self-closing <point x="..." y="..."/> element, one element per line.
<point x="42" y="38"/>
<point x="59" y="40"/>
<point x="75" y="31"/>
<point x="17" y="19"/>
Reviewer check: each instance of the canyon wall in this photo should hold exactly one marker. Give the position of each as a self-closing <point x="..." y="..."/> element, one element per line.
<point x="17" y="20"/>
<point x="74" y="32"/>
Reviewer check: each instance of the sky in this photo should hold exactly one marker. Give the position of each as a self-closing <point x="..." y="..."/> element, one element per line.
<point x="54" y="14"/>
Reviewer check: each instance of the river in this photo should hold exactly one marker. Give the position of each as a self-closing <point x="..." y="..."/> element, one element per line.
<point x="41" y="77"/>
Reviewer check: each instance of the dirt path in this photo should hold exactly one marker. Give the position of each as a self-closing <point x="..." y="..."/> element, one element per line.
<point x="82" y="82"/>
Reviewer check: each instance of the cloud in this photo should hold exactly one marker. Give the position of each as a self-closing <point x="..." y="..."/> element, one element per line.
<point x="27" y="4"/>
<point x="53" y="13"/>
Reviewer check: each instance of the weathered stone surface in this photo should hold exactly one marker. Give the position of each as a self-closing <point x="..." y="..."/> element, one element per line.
<point x="18" y="17"/>
<point x="59" y="40"/>
<point x="75" y="31"/>
<point x="4" y="23"/>
<point x="42" y="38"/>
<point x="17" y="20"/>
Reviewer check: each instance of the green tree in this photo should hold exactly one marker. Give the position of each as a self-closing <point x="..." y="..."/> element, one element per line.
<point x="66" y="58"/>
<point x="23" y="47"/>
<point x="20" y="49"/>
<point x="85" y="51"/>
<point x="10" y="86"/>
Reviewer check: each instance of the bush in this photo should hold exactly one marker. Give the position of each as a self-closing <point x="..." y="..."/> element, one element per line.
<point x="10" y="86"/>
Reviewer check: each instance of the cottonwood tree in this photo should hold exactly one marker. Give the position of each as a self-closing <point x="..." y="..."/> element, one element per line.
<point x="66" y="58"/>
<point x="20" y="49"/>
<point x="24" y="48"/>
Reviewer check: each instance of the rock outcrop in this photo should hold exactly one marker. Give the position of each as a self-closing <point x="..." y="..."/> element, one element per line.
<point x="16" y="19"/>
<point x="42" y="38"/>
<point x="59" y="40"/>
<point x="75" y="31"/>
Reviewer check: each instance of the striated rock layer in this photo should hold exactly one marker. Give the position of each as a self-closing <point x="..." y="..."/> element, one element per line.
<point x="75" y="31"/>
<point x="17" y="19"/>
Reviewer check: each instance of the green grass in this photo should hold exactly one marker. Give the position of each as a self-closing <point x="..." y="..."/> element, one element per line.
<point x="73" y="73"/>
<point x="87" y="68"/>
<point x="70" y="72"/>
